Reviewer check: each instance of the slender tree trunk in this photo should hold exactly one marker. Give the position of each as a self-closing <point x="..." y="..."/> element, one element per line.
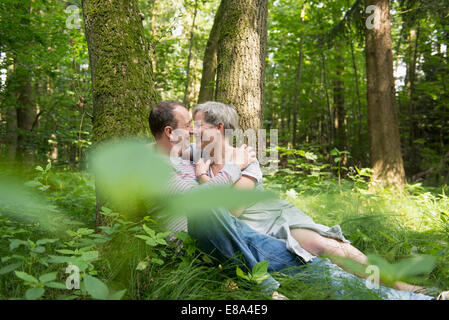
<point x="241" y="59"/>
<point x="122" y="80"/>
<point x="410" y="84"/>
<point x="11" y="133"/>
<point x="187" y="97"/>
<point x="297" y="82"/>
<point x="339" y="102"/>
<point x="10" y="115"/>
<point x="359" y="99"/>
<point x="26" y="114"/>
<point x="329" y="110"/>
<point x="385" y="145"/>
<point x="210" y="59"/>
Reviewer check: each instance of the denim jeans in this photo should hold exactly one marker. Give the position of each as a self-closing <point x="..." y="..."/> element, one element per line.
<point x="226" y="237"/>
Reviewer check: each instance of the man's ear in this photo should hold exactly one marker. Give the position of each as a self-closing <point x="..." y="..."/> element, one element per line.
<point x="168" y="130"/>
<point x="220" y="127"/>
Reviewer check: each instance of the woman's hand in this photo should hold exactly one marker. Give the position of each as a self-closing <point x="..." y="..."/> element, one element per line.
<point x="201" y="169"/>
<point x="243" y="156"/>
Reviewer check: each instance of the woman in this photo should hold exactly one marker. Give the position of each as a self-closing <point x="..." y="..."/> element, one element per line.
<point x="276" y="218"/>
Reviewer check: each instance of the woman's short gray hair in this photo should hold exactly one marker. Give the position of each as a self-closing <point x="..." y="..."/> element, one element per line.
<point x="216" y="112"/>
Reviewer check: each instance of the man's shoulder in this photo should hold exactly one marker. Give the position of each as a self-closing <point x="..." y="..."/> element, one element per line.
<point x="180" y="164"/>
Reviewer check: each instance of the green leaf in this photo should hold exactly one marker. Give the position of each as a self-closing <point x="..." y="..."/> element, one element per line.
<point x="96" y="288"/>
<point x="61" y="259"/>
<point x="9" y="268"/>
<point x="39" y="168"/>
<point x="151" y="243"/>
<point x="64" y="297"/>
<point x="45" y="241"/>
<point x="143" y="237"/>
<point x="260" y="278"/>
<point x="334" y="152"/>
<point x="38" y="249"/>
<point x="66" y="251"/>
<point x="157" y="261"/>
<point x="48" y="167"/>
<point x="55" y="285"/>
<point x="241" y="274"/>
<point x="260" y="268"/>
<point x="161" y="241"/>
<point x="89" y="256"/>
<point x="106" y="210"/>
<point x="26" y="277"/>
<point x="44" y="188"/>
<point x="107" y="229"/>
<point x="48" y="277"/>
<point x="117" y="295"/>
<point x="149" y="231"/>
<point x="142" y="265"/>
<point x="34" y="293"/>
<point x="15" y="243"/>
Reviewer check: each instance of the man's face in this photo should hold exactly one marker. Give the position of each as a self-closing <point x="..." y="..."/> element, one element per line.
<point x="181" y="135"/>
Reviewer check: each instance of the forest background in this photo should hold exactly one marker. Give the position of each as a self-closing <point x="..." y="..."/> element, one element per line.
<point x="318" y="79"/>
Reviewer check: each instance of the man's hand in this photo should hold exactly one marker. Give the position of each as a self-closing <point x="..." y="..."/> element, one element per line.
<point x="202" y="166"/>
<point x="243" y="156"/>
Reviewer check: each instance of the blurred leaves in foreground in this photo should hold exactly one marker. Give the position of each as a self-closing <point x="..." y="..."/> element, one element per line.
<point x="19" y="203"/>
<point x="406" y="270"/>
<point x="133" y="178"/>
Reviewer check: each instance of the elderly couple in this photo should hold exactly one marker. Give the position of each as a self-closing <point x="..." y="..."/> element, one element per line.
<point x="272" y="230"/>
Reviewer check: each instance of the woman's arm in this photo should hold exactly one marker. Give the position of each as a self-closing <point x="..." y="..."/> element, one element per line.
<point x="246" y="183"/>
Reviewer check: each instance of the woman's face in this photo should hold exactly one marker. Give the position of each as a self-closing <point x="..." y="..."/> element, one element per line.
<point x="206" y="134"/>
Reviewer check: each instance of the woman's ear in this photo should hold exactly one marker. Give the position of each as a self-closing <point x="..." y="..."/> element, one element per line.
<point x="220" y="127"/>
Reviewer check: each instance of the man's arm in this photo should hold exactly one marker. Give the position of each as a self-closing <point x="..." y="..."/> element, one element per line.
<point x="185" y="178"/>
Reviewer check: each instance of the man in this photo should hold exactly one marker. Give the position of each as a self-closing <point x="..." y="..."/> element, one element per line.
<point x="219" y="233"/>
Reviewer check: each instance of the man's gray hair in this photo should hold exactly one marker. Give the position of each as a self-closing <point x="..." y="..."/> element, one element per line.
<point x="216" y="112"/>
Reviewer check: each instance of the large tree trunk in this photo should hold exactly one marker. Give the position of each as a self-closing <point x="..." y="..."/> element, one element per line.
<point x="385" y="144"/>
<point x="210" y="59"/>
<point x="241" y="59"/>
<point x="122" y="81"/>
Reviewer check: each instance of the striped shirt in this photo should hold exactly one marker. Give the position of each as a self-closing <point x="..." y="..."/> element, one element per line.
<point x="184" y="179"/>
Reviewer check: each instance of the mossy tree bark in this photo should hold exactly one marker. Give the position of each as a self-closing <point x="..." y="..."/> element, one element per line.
<point x="385" y="145"/>
<point x="122" y="80"/>
<point x="241" y="59"/>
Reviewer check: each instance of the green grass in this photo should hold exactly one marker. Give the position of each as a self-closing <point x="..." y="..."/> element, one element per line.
<point x="384" y="223"/>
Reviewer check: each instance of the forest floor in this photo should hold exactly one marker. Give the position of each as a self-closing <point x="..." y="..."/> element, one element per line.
<point x="130" y="260"/>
